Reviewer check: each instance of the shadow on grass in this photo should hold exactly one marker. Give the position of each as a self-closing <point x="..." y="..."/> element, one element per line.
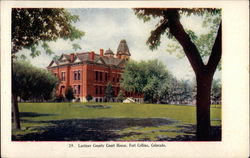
<point x="190" y="131"/>
<point x="99" y="129"/>
<point x="34" y="114"/>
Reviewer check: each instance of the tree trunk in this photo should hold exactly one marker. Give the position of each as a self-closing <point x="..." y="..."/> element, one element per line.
<point x="204" y="83"/>
<point x="15" y="111"/>
<point x="14" y="103"/>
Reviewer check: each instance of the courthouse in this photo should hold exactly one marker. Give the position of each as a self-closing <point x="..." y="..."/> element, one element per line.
<point x="88" y="73"/>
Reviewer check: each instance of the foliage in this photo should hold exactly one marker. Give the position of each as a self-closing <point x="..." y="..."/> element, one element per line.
<point x="89" y="97"/>
<point x="29" y="82"/>
<point x="203" y="42"/>
<point x="69" y="94"/>
<point x="185" y="93"/>
<point x="147" y="77"/>
<point x="109" y="92"/>
<point x="76" y="46"/>
<point x="121" y="96"/>
<point x="37" y="26"/>
<point x="56" y="57"/>
<point x="156" y="83"/>
<point x="59" y="98"/>
<point x="216" y="91"/>
<point x="132" y="77"/>
<point x="179" y="92"/>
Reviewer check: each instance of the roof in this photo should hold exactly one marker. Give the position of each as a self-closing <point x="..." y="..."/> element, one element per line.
<point x="112" y="61"/>
<point x="53" y="62"/>
<point x="123" y="48"/>
<point x="85" y="57"/>
<point x="109" y="51"/>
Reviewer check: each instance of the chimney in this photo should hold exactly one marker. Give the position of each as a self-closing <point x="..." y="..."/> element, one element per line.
<point x="72" y="57"/>
<point x="101" y="52"/>
<point x="92" y="55"/>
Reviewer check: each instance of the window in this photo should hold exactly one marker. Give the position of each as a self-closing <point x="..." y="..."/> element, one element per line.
<point x="106" y="76"/>
<point x="79" y="89"/>
<point x="96" y="75"/>
<point x="77" y="75"/>
<point x="63" y="76"/>
<point x="117" y="78"/>
<point x="96" y="90"/>
<point x="75" y="89"/>
<point x="117" y="89"/>
<point x="113" y="77"/>
<point x="100" y="76"/>
<point x="100" y="89"/>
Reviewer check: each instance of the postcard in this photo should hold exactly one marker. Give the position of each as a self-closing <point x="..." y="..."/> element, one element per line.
<point x="124" y="79"/>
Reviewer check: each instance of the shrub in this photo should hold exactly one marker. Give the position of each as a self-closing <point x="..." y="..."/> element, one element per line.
<point x="69" y="94"/>
<point x="89" y="97"/>
<point x="59" y="98"/>
<point x="121" y="96"/>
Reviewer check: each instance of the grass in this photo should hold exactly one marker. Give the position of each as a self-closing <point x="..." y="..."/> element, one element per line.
<point x="37" y="115"/>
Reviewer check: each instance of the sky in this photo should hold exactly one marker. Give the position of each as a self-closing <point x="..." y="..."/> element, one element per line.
<point x="105" y="28"/>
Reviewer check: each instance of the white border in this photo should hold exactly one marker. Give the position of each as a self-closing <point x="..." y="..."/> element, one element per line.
<point x="235" y="75"/>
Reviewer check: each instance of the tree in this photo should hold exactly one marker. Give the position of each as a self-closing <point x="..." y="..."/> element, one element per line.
<point x="109" y="92"/>
<point x="33" y="27"/>
<point x="145" y="77"/>
<point x="69" y="94"/>
<point x="121" y="96"/>
<point x="216" y="91"/>
<point x="171" y="88"/>
<point x="89" y="97"/>
<point x="76" y="46"/>
<point x="133" y="77"/>
<point x="170" y="24"/>
<point x="29" y="82"/>
<point x="185" y="94"/>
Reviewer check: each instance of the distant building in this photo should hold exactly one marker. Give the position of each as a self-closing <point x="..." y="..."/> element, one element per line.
<point x="88" y="73"/>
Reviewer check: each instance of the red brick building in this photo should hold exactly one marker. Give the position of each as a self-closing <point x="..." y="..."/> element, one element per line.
<point x="88" y="73"/>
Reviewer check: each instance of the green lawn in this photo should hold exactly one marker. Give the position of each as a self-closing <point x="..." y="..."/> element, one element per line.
<point x="119" y="121"/>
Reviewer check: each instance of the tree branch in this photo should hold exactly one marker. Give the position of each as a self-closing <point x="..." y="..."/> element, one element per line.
<point x="155" y="38"/>
<point x="177" y="30"/>
<point x="215" y="56"/>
